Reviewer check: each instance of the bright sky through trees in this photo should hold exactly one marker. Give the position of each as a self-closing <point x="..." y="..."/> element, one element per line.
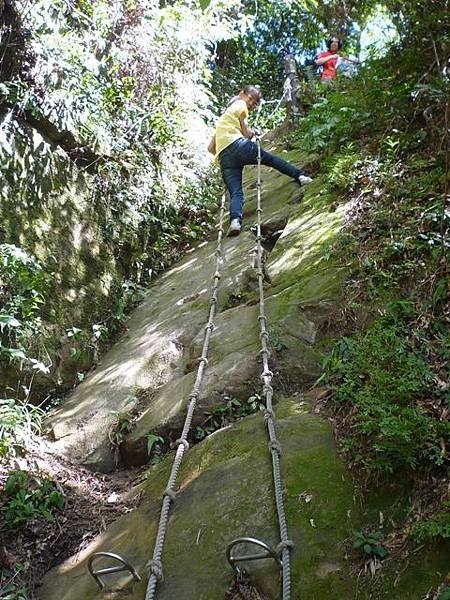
<point x="378" y="33"/>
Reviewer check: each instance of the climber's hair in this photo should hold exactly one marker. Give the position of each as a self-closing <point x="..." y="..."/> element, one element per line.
<point x="247" y="89"/>
<point x="330" y="40"/>
<point x="252" y="89"/>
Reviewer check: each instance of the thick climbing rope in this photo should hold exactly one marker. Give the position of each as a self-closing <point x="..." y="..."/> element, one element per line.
<point x="155" y="564"/>
<point x="269" y="415"/>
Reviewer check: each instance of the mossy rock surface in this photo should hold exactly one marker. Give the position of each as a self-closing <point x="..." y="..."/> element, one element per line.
<point x="226" y="491"/>
<point x="154" y="352"/>
<point x="225" y="484"/>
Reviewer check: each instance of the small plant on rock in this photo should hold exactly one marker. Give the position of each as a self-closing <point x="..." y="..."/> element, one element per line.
<point x="369" y="543"/>
<point x="220" y="416"/>
<point x="154" y="445"/>
<point x="118" y="432"/>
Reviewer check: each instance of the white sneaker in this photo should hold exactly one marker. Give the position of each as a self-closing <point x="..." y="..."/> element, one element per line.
<point x="304" y="180"/>
<point x="235" y="228"/>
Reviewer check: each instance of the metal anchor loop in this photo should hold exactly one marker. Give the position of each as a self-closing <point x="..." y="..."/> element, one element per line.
<point x="125" y="566"/>
<point x="270" y="553"/>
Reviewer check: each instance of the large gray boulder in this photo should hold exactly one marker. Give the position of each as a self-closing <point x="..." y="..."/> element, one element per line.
<point x="225" y="491"/>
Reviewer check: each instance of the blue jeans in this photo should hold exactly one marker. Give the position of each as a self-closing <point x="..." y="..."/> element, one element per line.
<point x="232" y="162"/>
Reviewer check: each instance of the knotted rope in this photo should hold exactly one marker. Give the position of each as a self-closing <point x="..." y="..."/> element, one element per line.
<point x="155" y="564"/>
<point x="269" y="415"/>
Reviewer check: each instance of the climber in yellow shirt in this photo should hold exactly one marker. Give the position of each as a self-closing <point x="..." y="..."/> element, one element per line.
<point x="233" y="149"/>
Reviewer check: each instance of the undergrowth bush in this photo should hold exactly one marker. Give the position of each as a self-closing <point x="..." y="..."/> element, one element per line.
<point x="344" y="168"/>
<point x="437" y="527"/>
<point x="382" y="385"/>
<point x="28" y="498"/>
<point x="23" y="285"/>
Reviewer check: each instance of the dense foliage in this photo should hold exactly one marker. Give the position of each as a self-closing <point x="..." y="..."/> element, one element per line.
<point x="130" y="87"/>
<point x="268" y="31"/>
<point x="123" y="93"/>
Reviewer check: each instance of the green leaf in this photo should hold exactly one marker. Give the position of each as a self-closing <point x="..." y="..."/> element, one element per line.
<point x="204" y="4"/>
<point x="8" y="321"/>
<point x="47" y="515"/>
<point x="37" y="365"/>
<point x="380" y="551"/>
<point x="15" y="353"/>
<point x="73" y="332"/>
<point x="200" y="433"/>
<point x="16" y="481"/>
<point x="445" y="594"/>
<point x="55" y="498"/>
<point x="152" y="440"/>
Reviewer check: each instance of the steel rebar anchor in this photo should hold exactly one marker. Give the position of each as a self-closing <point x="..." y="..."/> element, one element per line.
<point x="125" y="566"/>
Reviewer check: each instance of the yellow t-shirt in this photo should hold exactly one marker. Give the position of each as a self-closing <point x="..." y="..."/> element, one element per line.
<point x="228" y="128"/>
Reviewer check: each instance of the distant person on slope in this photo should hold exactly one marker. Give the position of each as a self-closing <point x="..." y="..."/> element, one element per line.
<point x="330" y="58"/>
<point x="233" y="149"/>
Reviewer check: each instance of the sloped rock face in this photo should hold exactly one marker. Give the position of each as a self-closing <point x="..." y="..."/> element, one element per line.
<point x="151" y="370"/>
<point x="225" y="491"/>
<point x="148" y="362"/>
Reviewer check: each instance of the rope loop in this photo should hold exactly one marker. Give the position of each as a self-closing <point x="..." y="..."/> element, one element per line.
<point x="264" y="351"/>
<point x="203" y="360"/>
<point x="180" y="442"/>
<point x="261" y="318"/>
<point x="285" y="545"/>
<point x="210" y="326"/>
<point x="275" y="446"/>
<point x="266" y="373"/>
<point x="260" y="273"/>
<point x="264" y="336"/>
<point x="194" y="394"/>
<point x="213" y="300"/>
<point x="170" y="494"/>
<point x="217" y="275"/>
<point x="154" y="567"/>
<point x="268" y="414"/>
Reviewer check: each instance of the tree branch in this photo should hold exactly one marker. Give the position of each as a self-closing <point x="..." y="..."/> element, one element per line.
<point x="83" y="156"/>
